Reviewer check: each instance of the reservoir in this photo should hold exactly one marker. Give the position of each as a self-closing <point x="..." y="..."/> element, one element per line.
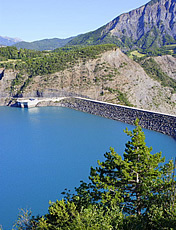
<point x="45" y="150"/>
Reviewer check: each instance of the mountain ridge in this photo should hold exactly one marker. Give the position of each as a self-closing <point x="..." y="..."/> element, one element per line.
<point x="7" y="41"/>
<point x="151" y="25"/>
<point x="44" y="44"/>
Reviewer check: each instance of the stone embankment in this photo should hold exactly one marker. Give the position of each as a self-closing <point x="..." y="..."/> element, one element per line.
<point x="162" y="123"/>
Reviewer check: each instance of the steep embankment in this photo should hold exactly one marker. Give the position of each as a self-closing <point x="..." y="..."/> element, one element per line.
<point x="6" y="78"/>
<point x="168" y="65"/>
<point x="112" y="77"/>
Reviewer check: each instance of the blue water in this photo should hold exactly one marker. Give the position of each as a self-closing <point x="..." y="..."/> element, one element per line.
<point x="45" y="150"/>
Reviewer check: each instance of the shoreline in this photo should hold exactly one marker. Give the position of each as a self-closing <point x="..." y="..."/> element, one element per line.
<point x="159" y="122"/>
<point x="156" y="121"/>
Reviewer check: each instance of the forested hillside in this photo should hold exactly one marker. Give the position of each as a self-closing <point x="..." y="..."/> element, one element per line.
<point x="100" y="72"/>
<point x="45" y="44"/>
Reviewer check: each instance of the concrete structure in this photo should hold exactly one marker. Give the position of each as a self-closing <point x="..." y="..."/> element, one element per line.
<point x="163" y="123"/>
<point x="32" y="102"/>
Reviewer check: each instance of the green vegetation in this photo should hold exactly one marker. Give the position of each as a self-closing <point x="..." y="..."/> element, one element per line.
<point x="142" y="53"/>
<point x="11" y="52"/>
<point x="120" y="96"/>
<point x="123" y="99"/>
<point x="91" y="38"/>
<point x="151" y="39"/>
<point x="18" y="80"/>
<point x="45" y="44"/>
<point x="40" y="63"/>
<point x="134" y="54"/>
<point x="99" y="37"/>
<point x="153" y="70"/>
<point x="133" y="192"/>
<point x="30" y="63"/>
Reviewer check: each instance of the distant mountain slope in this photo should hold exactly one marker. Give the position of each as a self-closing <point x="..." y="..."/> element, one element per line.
<point x="6" y="41"/>
<point x="151" y="25"/>
<point x="45" y="44"/>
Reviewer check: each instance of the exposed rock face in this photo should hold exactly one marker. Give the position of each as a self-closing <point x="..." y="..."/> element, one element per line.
<point x="167" y="64"/>
<point x="105" y="79"/>
<point x="6" y="77"/>
<point x="157" y="14"/>
<point x="112" y="77"/>
<point x="136" y="23"/>
<point x="151" y="25"/>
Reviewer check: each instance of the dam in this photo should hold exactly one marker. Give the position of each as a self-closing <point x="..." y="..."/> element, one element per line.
<point x="159" y="122"/>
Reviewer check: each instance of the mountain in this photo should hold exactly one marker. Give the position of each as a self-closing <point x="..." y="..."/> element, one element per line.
<point x="6" y="41"/>
<point x="150" y="26"/>
<point x="45" y="44"/>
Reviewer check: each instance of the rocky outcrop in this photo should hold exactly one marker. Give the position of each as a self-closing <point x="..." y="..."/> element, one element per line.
<point x="135" y="24"/>
<point x="168" y="65"/>
<point x="151" y="25"/>
<point x="6" y="77"/>
<point x="113" y="78"/>
<point x="1" y="73"/>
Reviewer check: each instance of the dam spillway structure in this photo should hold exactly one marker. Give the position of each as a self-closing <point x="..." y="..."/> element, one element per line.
<point x="32" y="102"/>
<point x="28" y="103"/>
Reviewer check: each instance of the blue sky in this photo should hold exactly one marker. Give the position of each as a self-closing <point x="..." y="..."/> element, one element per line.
<point x="38" y="19"/>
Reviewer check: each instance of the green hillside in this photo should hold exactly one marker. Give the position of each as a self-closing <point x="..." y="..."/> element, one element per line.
<point x="45" y="44"/>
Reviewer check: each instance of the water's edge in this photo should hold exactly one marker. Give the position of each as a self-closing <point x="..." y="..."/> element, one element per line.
<point x="158" y="122"/>
<point x="44" y="150"/>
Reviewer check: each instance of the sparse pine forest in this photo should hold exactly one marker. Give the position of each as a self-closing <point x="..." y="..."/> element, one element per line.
<point x="40" y="63"/>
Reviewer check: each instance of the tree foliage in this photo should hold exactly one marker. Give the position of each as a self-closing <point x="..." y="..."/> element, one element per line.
<point x="40" y="63"/>
<point x="136" y="191"/>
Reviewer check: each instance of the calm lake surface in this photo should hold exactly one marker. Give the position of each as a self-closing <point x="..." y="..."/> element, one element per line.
<point x="45" y="150"/>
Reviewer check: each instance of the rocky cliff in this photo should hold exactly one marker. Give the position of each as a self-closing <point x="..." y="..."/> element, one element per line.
<point x="6" y="78"/>
<point x="151" y="25"/>
<point x="155" y="20"/>
<point x="168" y="65"/>
<point x="112" y="77"/>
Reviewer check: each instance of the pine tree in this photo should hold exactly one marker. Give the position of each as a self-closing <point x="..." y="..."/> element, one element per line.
<point x="133" y="192"/>
<point x="136" y="183"/>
